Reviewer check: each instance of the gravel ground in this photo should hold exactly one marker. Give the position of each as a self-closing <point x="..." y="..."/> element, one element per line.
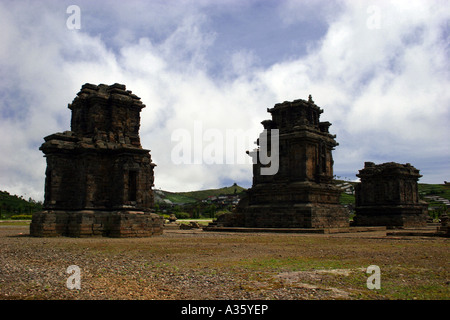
<point x="193" y="264"/>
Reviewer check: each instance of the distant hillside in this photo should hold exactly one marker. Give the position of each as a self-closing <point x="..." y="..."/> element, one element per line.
<point x="347" y="197"/>
<point x="194" y="196"/>
<point x="434" y="194"/>
<point x="204" y="194"/>
<point x="163" y="196"/>
<point x="440" y="190"/>
<point x="17" y="205"/>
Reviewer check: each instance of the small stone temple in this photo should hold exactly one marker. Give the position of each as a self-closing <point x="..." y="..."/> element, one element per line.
<point x="99" y="178"/>
<point x="388" y="196"/>
<point x="301" y="193"/>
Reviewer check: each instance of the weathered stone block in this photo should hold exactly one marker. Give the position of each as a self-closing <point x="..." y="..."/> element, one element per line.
<point x="114" y="224"/>
<point x="388" y="196"/>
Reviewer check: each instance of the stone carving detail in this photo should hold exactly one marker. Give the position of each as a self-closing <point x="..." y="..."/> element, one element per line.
<point x="301" y="193"/>
<point x="388" y="196"/>
<point x="99" y="178"/>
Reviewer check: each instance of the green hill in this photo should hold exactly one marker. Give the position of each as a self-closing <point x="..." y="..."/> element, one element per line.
<point x="13" y="205"/>
<point x="441" y="190"/>
<point x="204" y="194"/>
<point x="194" y="196"/>
<point x="176" y="197"/>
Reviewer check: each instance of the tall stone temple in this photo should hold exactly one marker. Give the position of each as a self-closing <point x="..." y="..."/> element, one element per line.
<point x="99" y="178"/>
<point x="300" y="194"/>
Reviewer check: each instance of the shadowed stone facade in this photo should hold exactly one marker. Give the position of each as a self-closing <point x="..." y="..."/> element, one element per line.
<point x="300" y="194"/>
<point x="99" y="178"/>
<point x="388" y="196"/>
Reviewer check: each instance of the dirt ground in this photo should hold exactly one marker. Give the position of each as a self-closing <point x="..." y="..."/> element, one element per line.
<point x="195" y="264"/>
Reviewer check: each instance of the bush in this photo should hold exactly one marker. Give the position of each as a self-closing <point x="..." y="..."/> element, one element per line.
<point x="221" y="212"/>
<point x="21" y="217"/>
<point x="182" y="215"/>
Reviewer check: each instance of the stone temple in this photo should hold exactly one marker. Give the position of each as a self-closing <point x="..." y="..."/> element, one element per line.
<point x="301" y="193"/>
<point x="388" y="196"/>
<point x="99" y="178"/>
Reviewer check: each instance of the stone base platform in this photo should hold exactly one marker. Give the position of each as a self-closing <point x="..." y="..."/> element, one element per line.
<point x="407" y="216"/>
<point x="302" y="215"/>
<point x="299" y="204"/>
<point x="88" y="223"/>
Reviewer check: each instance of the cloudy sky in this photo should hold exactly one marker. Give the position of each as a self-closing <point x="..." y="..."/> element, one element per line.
<point x="379" y="69"/>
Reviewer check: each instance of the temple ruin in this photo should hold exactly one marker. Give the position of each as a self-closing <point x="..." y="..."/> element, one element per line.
<point x="388" y="196"/>
<point x="301" y="193"/>
<point x="99" y="178"/>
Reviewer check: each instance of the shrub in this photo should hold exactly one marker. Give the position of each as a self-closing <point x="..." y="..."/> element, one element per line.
<point x="21" y="217"/>
<point x="182" y="215"/>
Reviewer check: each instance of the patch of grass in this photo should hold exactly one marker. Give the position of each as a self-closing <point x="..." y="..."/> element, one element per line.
<point x="346" y="198"/>
<point x="201" y="222"/>
<point x="405" y="279"/>
<point x="179" y="198"/>
<point x="294" y="264"/>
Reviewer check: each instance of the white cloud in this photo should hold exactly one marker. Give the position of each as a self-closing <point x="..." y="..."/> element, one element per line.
<point x="384" y="89"/>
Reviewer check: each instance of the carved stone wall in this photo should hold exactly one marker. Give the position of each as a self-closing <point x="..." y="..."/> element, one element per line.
<point x="99" y="178"/>
<point x="388" y="195"/>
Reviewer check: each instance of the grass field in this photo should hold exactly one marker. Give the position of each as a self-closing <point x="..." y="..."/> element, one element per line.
<point x="194" y="264"/>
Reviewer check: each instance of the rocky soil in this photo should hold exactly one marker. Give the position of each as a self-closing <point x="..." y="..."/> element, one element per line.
<point x="194" y="264"/>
